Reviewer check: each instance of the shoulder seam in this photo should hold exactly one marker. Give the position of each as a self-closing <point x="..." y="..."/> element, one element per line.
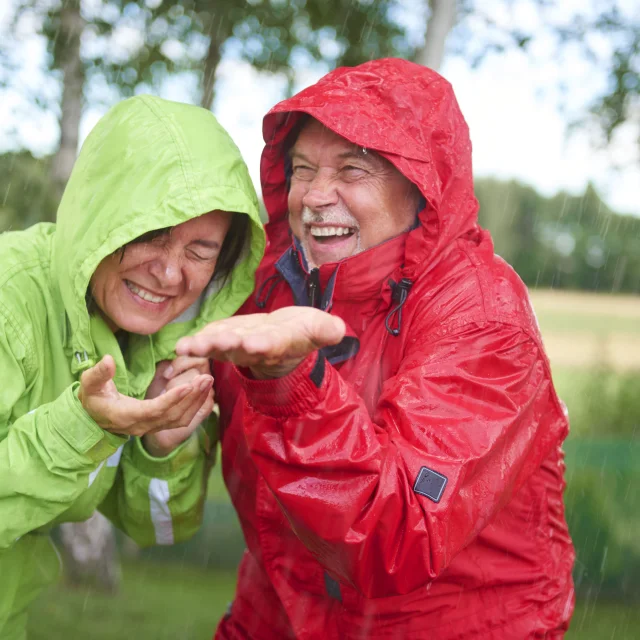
<point x="477" y="277"/>
<point x="6" y="276"/>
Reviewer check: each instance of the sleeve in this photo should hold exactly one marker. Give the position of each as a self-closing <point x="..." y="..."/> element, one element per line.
<point x="161" y="500"/>
<point x="386" y="502"/>
<point x="46" y="455"/>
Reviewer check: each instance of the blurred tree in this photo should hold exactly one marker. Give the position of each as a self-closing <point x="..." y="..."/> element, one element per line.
<point x="26" y="193"/>
<point x="605" y="35"/>
<point x="105" y="49"/>
<point x="272" y="35"/>
<point x="570" y="242"/>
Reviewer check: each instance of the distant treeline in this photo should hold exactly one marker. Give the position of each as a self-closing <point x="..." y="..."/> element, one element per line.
<point x="570" y="242"/>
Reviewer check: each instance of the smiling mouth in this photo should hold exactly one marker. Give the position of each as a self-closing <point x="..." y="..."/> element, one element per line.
<point x="144" y="294"/>
<point x="328" y="235"/>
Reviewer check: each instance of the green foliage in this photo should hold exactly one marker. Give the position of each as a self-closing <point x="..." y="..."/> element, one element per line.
<point x="605" y="34"/>
<point x="192" y="35"/>
<point x="610" y="405"/>
<point x="572" y="242"/>
<point x="602" y="502"/>
<point x="27" y="194"/>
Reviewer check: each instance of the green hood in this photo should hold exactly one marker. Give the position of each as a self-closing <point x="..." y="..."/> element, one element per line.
<point x="149" y="164"/>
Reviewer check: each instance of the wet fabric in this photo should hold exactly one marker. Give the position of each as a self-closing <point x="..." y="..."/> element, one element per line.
<point x="413" y="490"/>
<point x="148" y="164"/>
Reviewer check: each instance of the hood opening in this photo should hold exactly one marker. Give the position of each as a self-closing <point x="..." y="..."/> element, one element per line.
<point x="403" y="111"/>
<point x="152" y="164"/>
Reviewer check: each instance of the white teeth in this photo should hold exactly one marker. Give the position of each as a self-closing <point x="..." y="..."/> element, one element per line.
<point x="330" y="231"/>
<point x="145" y="295"/>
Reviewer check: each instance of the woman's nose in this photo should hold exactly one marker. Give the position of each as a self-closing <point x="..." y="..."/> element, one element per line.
<point x="167" y="271"/>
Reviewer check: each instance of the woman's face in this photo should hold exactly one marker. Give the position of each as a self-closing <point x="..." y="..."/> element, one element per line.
<point x="155" y="281"/>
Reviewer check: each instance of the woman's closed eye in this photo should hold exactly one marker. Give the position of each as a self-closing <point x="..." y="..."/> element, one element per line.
<point x="203" y="256"/>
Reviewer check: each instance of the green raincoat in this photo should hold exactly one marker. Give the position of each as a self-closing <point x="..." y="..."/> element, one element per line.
<point x="148" y="164"/>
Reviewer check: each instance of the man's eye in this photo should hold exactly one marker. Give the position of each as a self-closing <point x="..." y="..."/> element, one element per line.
<point x="303" y="172"/>
<point x="351" y="171"/>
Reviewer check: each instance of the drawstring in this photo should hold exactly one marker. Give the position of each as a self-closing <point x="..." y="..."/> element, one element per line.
<point x="399" y="294"/>
<point x="276" y="278"/>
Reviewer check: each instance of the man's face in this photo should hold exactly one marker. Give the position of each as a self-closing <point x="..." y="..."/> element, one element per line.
<point x="153" y="282"/>
<point x="344" y="200"/>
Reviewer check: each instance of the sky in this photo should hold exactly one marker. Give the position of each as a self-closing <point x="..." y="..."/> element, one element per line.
<point x="518" y="118"/>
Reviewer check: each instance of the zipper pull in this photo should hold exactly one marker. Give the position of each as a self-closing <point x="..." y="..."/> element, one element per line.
<point x="313" y="288"/>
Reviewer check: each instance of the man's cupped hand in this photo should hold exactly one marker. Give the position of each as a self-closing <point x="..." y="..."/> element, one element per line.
<point x="271" y="345"/>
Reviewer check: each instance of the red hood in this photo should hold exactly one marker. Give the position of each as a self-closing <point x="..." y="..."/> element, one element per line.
<point x="407" y="113"/>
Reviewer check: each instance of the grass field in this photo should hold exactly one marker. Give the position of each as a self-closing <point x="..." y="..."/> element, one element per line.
<point x="582" y="330"/>
<point x="168" y="602"/>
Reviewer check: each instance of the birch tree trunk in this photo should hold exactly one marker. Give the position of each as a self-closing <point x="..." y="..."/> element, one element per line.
<point x="67" y="52"/>
<point x="219" y="31"/>
<point x="440" y="22"/>
<point x="89" y="547"/>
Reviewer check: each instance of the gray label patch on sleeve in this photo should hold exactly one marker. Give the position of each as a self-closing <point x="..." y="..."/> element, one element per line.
<point x="430" y="484"/>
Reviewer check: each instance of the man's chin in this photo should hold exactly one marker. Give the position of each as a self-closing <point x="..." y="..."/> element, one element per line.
<point x="319" y="254"/>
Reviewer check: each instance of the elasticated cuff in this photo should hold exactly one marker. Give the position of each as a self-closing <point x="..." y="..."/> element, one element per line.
<point x="166" y="467"/>
<point x="292" y="395"/>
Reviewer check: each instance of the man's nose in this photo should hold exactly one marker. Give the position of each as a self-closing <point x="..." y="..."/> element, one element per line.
<point x="322" y="192"/>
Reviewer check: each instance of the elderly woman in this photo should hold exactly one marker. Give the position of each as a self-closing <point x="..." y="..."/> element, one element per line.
<point x="158" y="234"/>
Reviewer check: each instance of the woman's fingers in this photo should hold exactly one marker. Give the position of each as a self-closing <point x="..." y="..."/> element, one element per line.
<point x="184" y="412"/>
<point x="176" y="414"/>
<point x="186" y="377"/>
<point x="184" y="363"/>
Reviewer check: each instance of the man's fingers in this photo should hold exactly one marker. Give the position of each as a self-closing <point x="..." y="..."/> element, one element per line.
<point x="197" y="344"/>
<point x="209" y="345"/>
<point x="94" y="379"/>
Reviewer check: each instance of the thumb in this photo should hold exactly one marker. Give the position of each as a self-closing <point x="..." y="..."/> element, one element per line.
<point x="94" y="379"/>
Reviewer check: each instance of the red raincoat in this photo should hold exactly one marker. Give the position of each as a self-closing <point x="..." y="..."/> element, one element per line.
<point x="407" y="483"/>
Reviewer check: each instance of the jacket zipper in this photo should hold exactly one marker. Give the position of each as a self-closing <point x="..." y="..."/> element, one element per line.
<point x="313" y="288"/>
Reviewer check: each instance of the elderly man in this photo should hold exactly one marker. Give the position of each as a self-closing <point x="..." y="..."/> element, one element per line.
<point x="390" y="431"/>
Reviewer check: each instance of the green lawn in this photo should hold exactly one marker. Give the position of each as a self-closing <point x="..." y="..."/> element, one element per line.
<point x="156" y="602"/>
<point x="170" y="602"/>
<point x="605" y="621"/>
<point x="596" y="313"/>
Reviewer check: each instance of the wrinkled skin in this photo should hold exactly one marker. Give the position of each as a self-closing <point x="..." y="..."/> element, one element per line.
<point x="174" y="269"/>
